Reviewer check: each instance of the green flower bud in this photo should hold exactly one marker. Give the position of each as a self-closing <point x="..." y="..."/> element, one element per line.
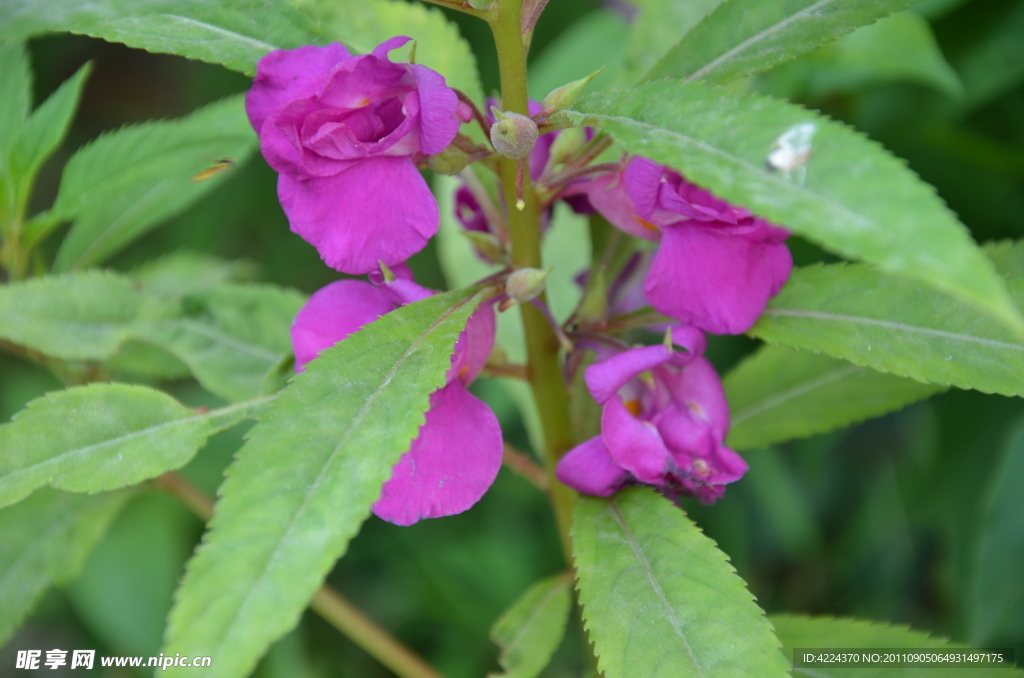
<point x="451" y="160"/>
<point x="566" y="95"/>
<point x="567" y="144"/>
<point x="513" y="135"/>
<point x="487" y="244"/>
<point x="481" y="4"/>
<point x="526" y="283"/>
<point x="594" y="305"/>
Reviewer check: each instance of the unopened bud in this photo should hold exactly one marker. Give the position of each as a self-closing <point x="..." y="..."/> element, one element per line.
<point x="567" y="144"/>
<point x="566" y="95"/>
<point x="513" y="135"/>
<point x="594" y="305"/>
<point x="451" y="160"/>
<point x="487" y="244"/>
<point x="526" y="283"/>
<point x="480" y="4"/>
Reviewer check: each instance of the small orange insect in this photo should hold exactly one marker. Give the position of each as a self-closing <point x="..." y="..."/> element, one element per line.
<point x="215" y="169"/>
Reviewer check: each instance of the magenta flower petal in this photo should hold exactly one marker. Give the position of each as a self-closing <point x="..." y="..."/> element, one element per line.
<point x="717" y="282"/>
<point x="642" y="179"/>
<point x="381" y="50"/>
<point x="378" y="210"/>
<point x="285" y="75"/>
<point x="474" y="345"/>
<point x="697" y="390"/>
<point x="588" y="468"/>
<point x="633" y="444"/>
<point x="609" y="197"/>
<point x="439" y="122"/>
<point x="451" y="464"/>
<point x="333" y="313"/>
<point x="604" y="379"/>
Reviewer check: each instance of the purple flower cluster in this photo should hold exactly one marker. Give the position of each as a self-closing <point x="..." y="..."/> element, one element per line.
<point x="347" y="134"/>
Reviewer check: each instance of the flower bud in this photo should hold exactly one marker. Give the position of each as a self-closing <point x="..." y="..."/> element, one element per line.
<point x="513" y="135"/>
<point x="567" y="144"/>
<point x="487" y="244"/>
<point x="526" y="284"/>
<point x="451" y="160"/>
<point x="566" y="95"/>
<point x="594" y="305"/>
<point x="481" y="4"/>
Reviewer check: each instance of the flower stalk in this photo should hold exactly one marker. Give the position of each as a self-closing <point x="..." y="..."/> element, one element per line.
<point x="544" y="368"/>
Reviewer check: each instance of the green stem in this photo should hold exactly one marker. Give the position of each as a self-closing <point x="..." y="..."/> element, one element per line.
<point x="460" y="6"/>
<point x="326" y="602"/>
<point x="545" y="371"/>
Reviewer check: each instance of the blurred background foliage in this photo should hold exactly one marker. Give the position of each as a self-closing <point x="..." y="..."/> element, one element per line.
<point x="914" y="518"/>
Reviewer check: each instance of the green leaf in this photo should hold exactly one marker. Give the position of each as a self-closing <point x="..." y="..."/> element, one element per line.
<point x="825" y="632"/>
<point x="230" y="336"/>
<point x="15" y="103"/>
<point x="127" y="182"/>
<point x="84" y="316"/>
<point x="185" y="272"/>
<point x="900" y="48"/>
<point x="1008" y="257"/>
<point x="779" y="394"/>
<point x="659" y="25"/>
<point x="306" y="478"/>
<point x="44" y="540"/>
<point x="530" y="631"/>
<point x="742" y="37"/>
<point x="363" y="25"/>
<point x="850" y="196"/>
<point x="15" y="93"/>
<point x="103" y="437"/>
<point x="996" y="602"/>
<point x="659" y="599"/>
<point x="40" y="136"/>
<point x="216" y="31"/>
<point x="895" y="324"/>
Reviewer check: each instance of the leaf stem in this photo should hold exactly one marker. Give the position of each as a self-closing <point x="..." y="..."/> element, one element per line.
<point x="463" y="6"/>
<point x="521" y="464"/>
<point x="547" y="381"/>
<point x="326" y="602"/>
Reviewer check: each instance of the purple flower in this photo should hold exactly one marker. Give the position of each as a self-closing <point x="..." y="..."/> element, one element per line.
<point x="344" y="132"/>
<point x="717" y="265"/>
<point x="457" y="454"/>
<point x="663" y="423"/>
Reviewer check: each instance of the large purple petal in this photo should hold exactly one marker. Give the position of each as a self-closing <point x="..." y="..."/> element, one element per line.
<point x="438" y="106"/>
<point x="286" y="74"/>
<point x="604" y="379"/>
<point x="642" y="180"/>
<point x="608" y="196"/>
<point x="719" y="283"/>
<point x="588" y="468"/>
<point x="633" y="444"/>
<point x="378" y="210"/>
<point x="333" y="313"/>
<point x="451" y="464"/>
<point x="474" y="345"/>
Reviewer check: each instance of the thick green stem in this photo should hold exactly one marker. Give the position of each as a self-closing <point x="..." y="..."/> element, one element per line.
<point x="544" y="368"/>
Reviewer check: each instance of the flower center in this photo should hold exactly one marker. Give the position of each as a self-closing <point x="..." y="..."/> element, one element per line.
<point x="634" y="407"/>
<point x="700" y="467"/>
<point x="646" y="224"/>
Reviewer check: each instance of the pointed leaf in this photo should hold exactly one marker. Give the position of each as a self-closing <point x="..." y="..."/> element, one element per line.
<point x="827" y="632"/>
<point x="659" y="25"/>
<point x="184" y="272"/>
<point x="531" y="630"/>
<point x="127" y="182"/>
<point x="85" y="316"/>
<point x="778" y="394"/>
<point x="15" y="93"/>
<point x="850" y="196"/>
<point x="895" y="324"/>
<point x="102" y="437"/>
<point x="996" y="601"/>
<point x="742" y="37"/>
<point x="659" y="599"/>
<point x="1008" y="257"/>
<point x="43" y="541"/>
<point x="215" y="31"/>
<point x="230" y="336"/>
<point x="305" y="480"/>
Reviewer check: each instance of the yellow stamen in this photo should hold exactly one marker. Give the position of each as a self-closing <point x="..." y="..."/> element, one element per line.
<point x="646" y="224"/>
<point x="634" y="407"/>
